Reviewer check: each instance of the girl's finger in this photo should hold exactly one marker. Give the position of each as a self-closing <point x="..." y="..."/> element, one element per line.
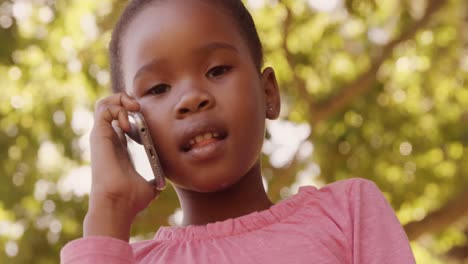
<point x="105" y="114"/>
<point x="121" y="99"/>
<point x="120" y="133"/>
<point x="129" y="103"/>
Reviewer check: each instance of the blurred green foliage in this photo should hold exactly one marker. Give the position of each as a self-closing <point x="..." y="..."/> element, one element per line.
<point x="383" y="85"/>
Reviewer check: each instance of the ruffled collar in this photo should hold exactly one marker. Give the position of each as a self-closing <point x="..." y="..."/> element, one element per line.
<point x="238" y="225"/>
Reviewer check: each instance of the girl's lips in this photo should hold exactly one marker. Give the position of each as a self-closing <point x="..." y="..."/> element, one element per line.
<point x="207" y="149"/>
<point x="203" y="139"/>
<point x="201" y="133"/>
<point x="202" y="143"/>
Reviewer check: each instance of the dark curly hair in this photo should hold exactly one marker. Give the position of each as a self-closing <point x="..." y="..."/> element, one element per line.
<point x="236" y="8"/>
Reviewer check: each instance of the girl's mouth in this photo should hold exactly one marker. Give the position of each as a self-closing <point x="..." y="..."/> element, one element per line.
<point x="202" y="140"/>
<point x="202" y="135"/>
<point x="206" y="146"/>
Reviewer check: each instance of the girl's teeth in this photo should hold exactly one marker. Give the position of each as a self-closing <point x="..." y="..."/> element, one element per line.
<point x="202" y="137"/>
<point x="199" y="138"/>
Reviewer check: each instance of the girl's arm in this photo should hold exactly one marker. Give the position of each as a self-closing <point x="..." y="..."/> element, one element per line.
<point x="96" y="250"/>
<point x="118" y="192"/>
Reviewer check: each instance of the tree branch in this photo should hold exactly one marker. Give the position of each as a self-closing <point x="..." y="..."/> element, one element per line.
<point x="459" y="252"/>
<point x="300" y="83"/>
<point x="439" y="219"/>
<point x="363" y="83"/>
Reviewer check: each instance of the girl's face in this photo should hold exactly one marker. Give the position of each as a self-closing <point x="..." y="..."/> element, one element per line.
<point x="205" y="103"/>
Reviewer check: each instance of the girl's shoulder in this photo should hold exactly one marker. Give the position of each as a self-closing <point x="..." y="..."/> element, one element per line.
<point x="344" y="188"/>
<point x="360" y="211"/>
<point x="344" y="196"/>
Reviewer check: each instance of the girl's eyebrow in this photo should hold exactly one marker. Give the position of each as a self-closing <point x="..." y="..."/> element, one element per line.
<point x="215" y="45"/>
<point x="203" y="49"/>
<point x="148" y="67"/>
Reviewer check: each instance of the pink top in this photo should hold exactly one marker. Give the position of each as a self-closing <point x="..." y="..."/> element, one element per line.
<point x="347" y="221"/>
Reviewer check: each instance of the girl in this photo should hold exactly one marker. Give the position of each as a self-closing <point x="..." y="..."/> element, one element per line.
<point x="193" y="69"/>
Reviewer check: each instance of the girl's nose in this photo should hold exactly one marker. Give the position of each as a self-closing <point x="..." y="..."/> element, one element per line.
<point x="194" y="101"/>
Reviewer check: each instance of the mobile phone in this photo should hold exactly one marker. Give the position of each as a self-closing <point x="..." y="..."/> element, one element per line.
<point x="140" y="134"/>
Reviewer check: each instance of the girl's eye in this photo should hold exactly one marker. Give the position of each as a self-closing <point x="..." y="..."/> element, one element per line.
<point x="218" y="70"/>
<point x="159" y="89"/>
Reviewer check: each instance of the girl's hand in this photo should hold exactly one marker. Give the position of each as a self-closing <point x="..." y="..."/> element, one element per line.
<point x="118" y="192"/>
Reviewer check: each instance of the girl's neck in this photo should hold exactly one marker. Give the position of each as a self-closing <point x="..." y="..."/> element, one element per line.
<point x="246" y="196"/>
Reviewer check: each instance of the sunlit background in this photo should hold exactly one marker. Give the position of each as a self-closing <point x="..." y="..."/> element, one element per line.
<point x="373" y="89"/>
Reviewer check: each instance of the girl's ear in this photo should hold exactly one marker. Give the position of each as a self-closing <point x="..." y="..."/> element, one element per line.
<point x="272" y="95"/>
